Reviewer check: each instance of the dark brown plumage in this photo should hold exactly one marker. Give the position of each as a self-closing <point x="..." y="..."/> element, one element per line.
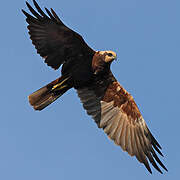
<point x="88" y="71"/>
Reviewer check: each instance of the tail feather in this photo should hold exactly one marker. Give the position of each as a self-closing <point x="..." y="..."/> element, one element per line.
<point x="49" y="93"/>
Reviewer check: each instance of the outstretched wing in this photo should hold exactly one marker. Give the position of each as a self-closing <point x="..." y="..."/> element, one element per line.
<point x="115" y="111"/>
<point x="54" y="41"/>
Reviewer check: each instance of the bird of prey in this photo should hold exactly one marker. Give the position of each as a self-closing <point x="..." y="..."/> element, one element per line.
<point x="88" y="71"/>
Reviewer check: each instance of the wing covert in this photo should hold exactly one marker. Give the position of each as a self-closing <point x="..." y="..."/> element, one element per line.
<point x="118" y="115"/>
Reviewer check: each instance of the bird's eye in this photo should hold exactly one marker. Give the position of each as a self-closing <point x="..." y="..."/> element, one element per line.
<point x="110" y="54"/>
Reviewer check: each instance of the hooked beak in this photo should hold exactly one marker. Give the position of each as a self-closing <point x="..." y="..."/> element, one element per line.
<point x="115" y="58"/>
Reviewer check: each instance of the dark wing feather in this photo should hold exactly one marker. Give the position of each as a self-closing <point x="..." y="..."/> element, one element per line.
<point x="54" y="41"/>
<point x="116" y="112"/>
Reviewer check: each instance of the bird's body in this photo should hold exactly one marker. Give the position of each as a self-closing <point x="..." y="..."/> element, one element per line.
<point x="88" y="71"/>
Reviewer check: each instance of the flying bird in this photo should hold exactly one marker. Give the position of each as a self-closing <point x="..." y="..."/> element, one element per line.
<point x="88" y="71"/>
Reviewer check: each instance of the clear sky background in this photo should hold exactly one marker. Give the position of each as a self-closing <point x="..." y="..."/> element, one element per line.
<point x="62" y="142"/>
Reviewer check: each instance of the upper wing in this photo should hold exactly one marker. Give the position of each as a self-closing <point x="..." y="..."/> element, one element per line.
<point x="116" y="112"/>
<point x="54" y="41"/>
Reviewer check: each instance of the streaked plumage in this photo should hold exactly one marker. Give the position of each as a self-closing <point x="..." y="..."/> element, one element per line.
<point x="88" y="71"/>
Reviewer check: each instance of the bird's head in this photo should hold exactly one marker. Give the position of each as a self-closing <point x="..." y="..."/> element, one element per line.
<point x="109" y="56"/>
<point x="102" y="60"/>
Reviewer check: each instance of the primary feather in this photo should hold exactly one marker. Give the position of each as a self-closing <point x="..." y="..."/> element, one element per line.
<point x="88" y="71"/>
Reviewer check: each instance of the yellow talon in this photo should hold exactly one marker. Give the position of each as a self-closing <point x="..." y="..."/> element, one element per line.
<point x="61" y="87"/>
<point x="57" y="85"/>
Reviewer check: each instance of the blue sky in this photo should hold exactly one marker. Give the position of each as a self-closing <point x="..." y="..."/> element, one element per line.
<point x="62" y="142"/>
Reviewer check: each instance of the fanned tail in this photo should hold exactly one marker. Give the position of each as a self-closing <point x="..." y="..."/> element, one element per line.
<point x="49" y="93"/>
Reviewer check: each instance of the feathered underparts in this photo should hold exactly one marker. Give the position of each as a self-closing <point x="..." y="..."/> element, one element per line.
<point x="88" y="71"/>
